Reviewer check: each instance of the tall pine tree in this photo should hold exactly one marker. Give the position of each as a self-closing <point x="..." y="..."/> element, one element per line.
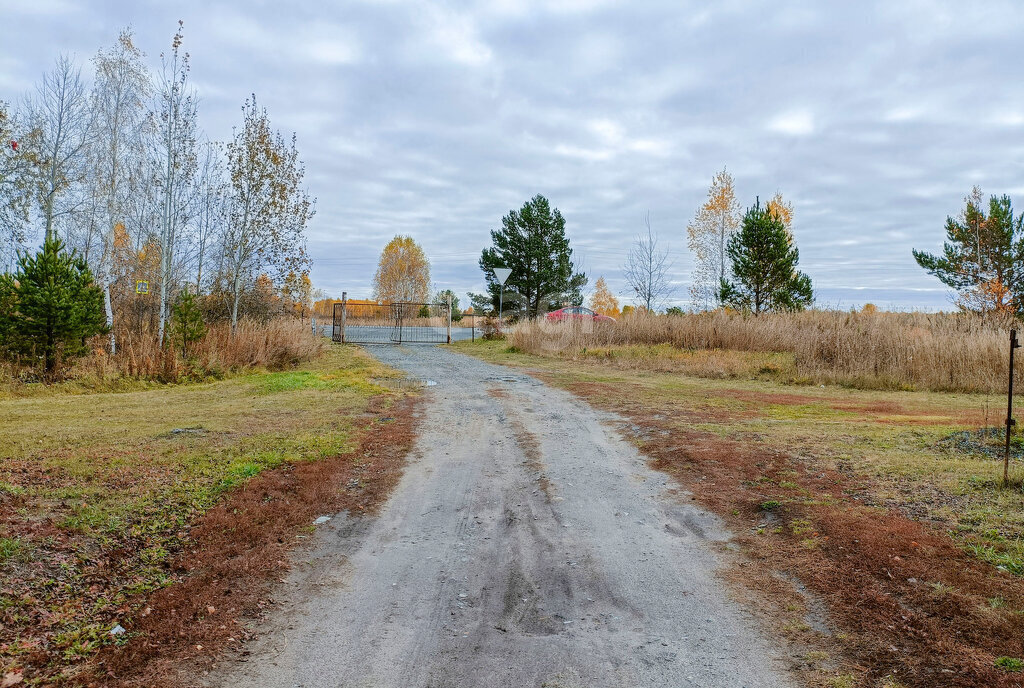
<point x="982" y="256"/>
<point x="764" y="261"/>
<point x="532" y="243"/>
<point x="53" y="306"/>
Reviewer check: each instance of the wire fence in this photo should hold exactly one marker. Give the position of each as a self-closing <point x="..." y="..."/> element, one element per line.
<point x="400" y="323"/>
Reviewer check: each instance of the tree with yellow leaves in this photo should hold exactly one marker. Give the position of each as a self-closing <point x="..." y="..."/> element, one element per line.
<point x="603" y="301"/>
<point x="715" y="222"/>
<point x="403" y="272"/>
<point x="297" y="291"/>
<point x="778" y="207"/>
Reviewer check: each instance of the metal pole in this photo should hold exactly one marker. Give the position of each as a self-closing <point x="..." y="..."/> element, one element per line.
<point x="501" y="300"/>
<point x="449" y="300"/>
<point x="344" y="309"/>
<point x="1010" y="422"/>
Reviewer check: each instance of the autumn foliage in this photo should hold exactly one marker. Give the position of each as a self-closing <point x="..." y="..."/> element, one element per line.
<point x="603" y="301"/>
<point x="403" y="272"/>
<point x="717" y="219"/>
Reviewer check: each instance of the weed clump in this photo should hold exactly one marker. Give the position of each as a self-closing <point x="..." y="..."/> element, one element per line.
<point x="1011" y="664"/>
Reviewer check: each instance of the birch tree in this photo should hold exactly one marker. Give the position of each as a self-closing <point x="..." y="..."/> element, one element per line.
<point x="175" y="155"/>
<point x="715" y="222"/>
<point x="119" y="95"/>
<point x="782" y="209"/>
<point x="17" y="162"/>
<point x="603" y="301"/>
<point x="646" y="270"/>
<point x="60" y="114"/>
<point x="210" y="212"/>
<point x="268" y="207"/>
<point x="403" y="273"/>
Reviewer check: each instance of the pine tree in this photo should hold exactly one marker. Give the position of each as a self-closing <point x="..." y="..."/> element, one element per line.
<point x="764" y="260"/>
<point x="187" y="326"/>
<point x="55" y="306"/>
<point x="982" y="256"/>
<point x="532" y="243"/>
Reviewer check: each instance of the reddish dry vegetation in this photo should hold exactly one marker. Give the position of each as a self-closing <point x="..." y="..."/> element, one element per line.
<point x="904" y="602"/>
<point x="237" y="549"/>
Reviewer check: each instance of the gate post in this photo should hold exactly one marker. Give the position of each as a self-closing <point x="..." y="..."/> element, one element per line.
<point x="344" y="308"/>
<point x="449" y="299"/>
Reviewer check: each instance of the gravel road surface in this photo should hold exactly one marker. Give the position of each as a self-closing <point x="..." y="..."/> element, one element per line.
<point x="527" y="544"/>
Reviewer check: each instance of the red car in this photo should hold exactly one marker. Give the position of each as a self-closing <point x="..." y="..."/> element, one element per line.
<point x="577" y="313"/>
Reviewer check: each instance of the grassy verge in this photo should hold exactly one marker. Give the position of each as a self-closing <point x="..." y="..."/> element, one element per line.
<point x="108" y="501"/>
<point x="885" y="505"/>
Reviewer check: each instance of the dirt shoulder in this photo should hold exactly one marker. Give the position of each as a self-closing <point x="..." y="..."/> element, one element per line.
<point x="851" y="497"/>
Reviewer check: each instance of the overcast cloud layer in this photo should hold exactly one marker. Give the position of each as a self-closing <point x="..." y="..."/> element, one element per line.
<point x="873" y="119"/>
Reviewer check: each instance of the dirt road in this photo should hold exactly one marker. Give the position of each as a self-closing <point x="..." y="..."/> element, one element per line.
<point x="527" y="545"/>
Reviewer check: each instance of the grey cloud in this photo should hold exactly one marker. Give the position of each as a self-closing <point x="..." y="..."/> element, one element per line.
<point x="875" y="119"/>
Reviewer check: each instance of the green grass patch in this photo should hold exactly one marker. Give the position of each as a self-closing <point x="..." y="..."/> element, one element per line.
<point x="11" y="548"/>
<point x="1011" y="664"/>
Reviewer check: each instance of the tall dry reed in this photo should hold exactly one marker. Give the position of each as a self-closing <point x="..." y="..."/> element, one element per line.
<point x="274" y="345"/>
<point x="933" y="351"/>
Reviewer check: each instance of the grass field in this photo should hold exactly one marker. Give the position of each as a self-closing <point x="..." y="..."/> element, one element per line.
<point x="99" y="493"/>
<point x="886" y="505"/>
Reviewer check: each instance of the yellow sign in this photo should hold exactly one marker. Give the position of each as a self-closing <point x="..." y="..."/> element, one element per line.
<point x="141" y="287"/>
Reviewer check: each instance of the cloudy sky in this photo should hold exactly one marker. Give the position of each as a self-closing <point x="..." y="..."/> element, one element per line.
<point x="434" y="119"/>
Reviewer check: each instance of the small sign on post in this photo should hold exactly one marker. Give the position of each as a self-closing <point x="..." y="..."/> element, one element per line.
<point x="1010" y="422"/>
<point x="141" y="286"/>
<point x="502" y="274"/>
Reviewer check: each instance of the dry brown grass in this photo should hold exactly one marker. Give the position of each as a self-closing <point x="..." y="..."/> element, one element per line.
<point x="274" y="345"/>
<point x="928" y="351"/>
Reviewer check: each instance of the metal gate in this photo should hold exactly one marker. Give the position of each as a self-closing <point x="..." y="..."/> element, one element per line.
<point x="364" y="322"/>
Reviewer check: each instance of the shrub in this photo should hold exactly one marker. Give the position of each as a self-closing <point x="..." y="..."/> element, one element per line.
<point x="491" y="328"/>
<point x="187" y="326"/>
<point x="50" y="307"/>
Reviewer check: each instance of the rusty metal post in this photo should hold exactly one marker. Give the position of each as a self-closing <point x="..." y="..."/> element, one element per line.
<point x="1010" y="422"/>
<point x="344" y="309"/>
<point x="448" y="299"/>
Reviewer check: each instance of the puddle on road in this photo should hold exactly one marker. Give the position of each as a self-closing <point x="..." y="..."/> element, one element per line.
<point x="404" y="382"/>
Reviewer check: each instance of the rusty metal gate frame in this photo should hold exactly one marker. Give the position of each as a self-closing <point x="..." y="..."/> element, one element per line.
<point x="395" y="323"/>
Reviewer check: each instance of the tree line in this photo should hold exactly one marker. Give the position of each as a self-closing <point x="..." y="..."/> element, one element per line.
<point x="746" y="262"/>
<point x="112" y="168"/>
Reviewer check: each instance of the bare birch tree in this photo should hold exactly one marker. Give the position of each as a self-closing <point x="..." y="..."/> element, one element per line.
<point x="647" y="269"/>
<point x="60" y="113"/>
<point x="175" y="123"/>
<point x="17" y="167"/>
<point x="119" y="96"/>
<point x="268" y="208"/>
<point x="210" y="214"/>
